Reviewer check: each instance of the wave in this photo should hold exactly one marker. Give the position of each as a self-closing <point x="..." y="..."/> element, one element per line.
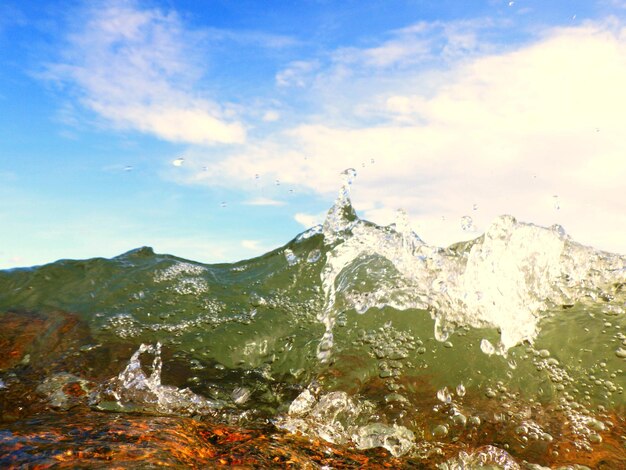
<point x="354" y="333"/>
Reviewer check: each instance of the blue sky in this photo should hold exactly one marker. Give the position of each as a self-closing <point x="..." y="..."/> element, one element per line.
<point x="217" y="130"/>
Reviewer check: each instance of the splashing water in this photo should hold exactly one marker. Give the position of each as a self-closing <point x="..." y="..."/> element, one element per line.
<point x="507" y="350"/>
<point x="133" y="390"/>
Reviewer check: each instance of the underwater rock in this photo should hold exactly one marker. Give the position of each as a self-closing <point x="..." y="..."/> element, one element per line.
<point x="29" y="338"/>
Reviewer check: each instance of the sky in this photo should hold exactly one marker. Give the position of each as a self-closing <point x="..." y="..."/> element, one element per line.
<point x="218" y="130"/>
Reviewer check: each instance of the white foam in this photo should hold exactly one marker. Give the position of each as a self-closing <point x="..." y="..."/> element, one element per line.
<point x="508" y="279"/>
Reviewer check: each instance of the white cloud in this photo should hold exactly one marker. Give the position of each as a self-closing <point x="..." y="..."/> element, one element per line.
<point x="615" y="3"/>
<point x="250" y="244"/>
<point x="264" y="201"/>
<point x="140" y="69"/>
<point x="503" y="130"/>
<point x="309" y="220"/>
<point x="297" y="74"/>
<point x="271" y="116"/>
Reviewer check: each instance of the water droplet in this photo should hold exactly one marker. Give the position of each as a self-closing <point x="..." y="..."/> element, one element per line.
<point x="511" y="4"/>
<point x="223" y="204"/>
<point x="257" y="176"/>
<point x="349" y="175"/>
<point x="467" y="224"/>
<point x="460" y="390"/>
<point x="559" y="230"/>
<point x="277" y="182"/>
<point x="475" y="207"/>
<point x="557" y="204"/>
<point x="444" y="396"/>
<point x="241" y="395"/>
<point x="372" y="161"/>
<point x="178" y="162"/>
<point x="620" y="352"/>
<point x="128" y="168"/>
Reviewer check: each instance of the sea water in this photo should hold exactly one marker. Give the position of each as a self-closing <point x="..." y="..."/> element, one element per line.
<point x="507" y="350"/>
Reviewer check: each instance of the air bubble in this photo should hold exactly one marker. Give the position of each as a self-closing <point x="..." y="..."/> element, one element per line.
<point x="459" y="419"/>
<point x="595" y="438"/>
<point x="474" y="420"/>
<point x="440" y="431"/>
<point x="178" y="162"/>
<point x="487" y="347"/>
<point x="314" y="256"/>
<point x="290" y="257"/>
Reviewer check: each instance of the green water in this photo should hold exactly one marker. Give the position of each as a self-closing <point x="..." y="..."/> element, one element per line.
<point x="411" y="356"/>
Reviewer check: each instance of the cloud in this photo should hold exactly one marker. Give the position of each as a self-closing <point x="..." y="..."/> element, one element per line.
<point x="621" y="4"/>
<point x="309" y="220"/>
<point x="424" y="44"/>
<point x="418" y="43"/>
<point x="498" y="127"/>
<point x="141" y="69"/>
<point x="271" y="116"/>
<point x="250" y="244"/>
<point x="297" y="74"/>
<point x="264" y="201"/>
<point x="252" y="38"/>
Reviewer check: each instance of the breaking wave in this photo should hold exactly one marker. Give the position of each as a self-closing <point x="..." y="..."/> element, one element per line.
<point x="360" y="334"/>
